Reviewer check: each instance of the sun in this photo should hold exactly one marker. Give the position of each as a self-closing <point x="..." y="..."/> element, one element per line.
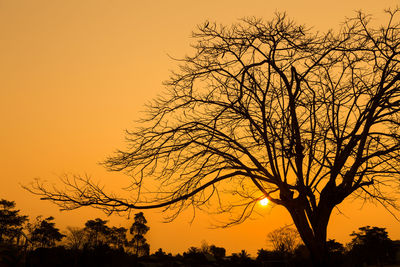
<point x="264" y="202"/>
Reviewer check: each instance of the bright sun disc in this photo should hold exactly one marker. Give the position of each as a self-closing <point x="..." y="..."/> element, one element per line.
<point x="264" y="202"/>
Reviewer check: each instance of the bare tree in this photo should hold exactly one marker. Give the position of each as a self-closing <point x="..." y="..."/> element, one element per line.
<point x="284" y="240"/>
<point x="75" y="238"/>
<point x="266" y="109"/>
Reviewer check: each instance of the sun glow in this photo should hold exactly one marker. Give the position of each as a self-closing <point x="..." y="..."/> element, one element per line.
<point x="264" y="202"/>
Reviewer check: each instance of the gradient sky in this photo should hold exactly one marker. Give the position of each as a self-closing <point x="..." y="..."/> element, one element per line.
<point x="75" y="73"/>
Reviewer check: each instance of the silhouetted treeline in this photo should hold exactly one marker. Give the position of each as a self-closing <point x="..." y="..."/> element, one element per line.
<point x="40" y="243"/>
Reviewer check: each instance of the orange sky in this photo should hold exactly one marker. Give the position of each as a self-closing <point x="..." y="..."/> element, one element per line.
<point x="75" y="73"/>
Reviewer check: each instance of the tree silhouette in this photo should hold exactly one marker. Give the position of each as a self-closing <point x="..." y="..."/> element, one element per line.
<point x="195" y="255"/>
<point x="241" y="259"/>
<point x="44" y="234"/>
<point x="244" y="255"/>
<point x="96" y="233"/>
<point x="160" y="253"/>
<point x="336" y="253"/>
<point x="117" y="237"/>
<point x="10" y="222"/>
<point x="138" y="229"/>
<point x="284" y="240"/>
<point x="75" y="238"/>
<point x="217" y="252"/>
<point x="371" y="245"/>
<point x="266" y="109"/>
<point x="334" y="247"/>
<point x="263" y="255"/>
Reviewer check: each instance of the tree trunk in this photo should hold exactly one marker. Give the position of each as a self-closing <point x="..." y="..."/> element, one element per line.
<point x="318" y="253"/>
<point x="313" y="231"/>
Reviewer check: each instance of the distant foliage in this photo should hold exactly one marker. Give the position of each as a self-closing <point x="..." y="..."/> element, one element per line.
<point x="217" y="252"/>
<point x="241" y="259"/>
<point x="160" y="253"/>
<point x="35" y="244"/>
<point x="195" y="254"/>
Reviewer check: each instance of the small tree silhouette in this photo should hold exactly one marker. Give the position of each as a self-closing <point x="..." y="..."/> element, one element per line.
<point x="284" y="240"/>
<point x="75" y="238"/>
<point x="244" y="255"/>
<point x="10" y="222"/>
<point x="160" y="253"/>
<point x="44" y="234"/>
<point x="371" y="245"/>
<point x="96" y="233"/>
<point x="241" y="259"/>
<point x="138" y="229"/>
<point x="217" y="252"/>
<point x="117" y="237"/>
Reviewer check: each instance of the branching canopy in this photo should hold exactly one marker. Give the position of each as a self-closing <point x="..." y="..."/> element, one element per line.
<point x="266" y="109"/>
